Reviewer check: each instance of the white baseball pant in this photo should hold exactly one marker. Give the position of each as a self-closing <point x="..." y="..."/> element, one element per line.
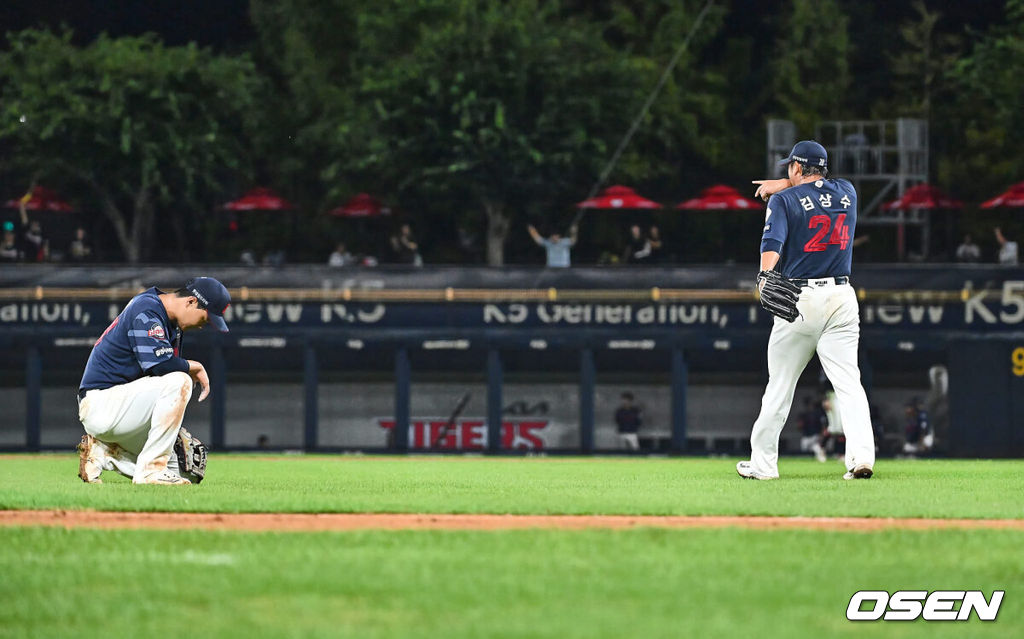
<point x="143" y="418"/>
<point x="830" y="325"/>
<point x="630" y="441"/>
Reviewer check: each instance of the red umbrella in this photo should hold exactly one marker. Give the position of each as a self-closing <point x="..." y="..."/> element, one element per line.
<point x="720" y="197"/>
<point x="923" y="196"/>
<point x="618" y="197"/>
<point x="361" y="205"/>
<point x="260" y="199"/>
<point x="1013" y="198"/>
<point x="42" y="199"/>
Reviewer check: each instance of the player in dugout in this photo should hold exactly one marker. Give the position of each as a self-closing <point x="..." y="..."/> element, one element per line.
<point x="133" y="395"/>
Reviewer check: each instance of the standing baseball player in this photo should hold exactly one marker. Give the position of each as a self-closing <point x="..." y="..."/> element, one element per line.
<point x="133" y="394"/>
<point x="806" y="252"/>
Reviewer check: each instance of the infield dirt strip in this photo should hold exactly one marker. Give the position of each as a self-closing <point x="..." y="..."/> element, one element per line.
<point x="306" y="522"/>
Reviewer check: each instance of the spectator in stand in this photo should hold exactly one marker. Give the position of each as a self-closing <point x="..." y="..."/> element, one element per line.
<point x="469" y="244"/>
<point x="1007" y="249"/>
<point x="9" y="249"/>
<point x="638" y="247"/>
<point x="80" y="250"/>
<point x="405" y="247"/>
<point x="628" y="419"/>
<point x="968" y="251"/>
<point x="557" y="247"/>
<point x="341" y="256"/>
<point x="654" y="238"/>
<point x="275" y="258"/>
<point x="34" y="247"/>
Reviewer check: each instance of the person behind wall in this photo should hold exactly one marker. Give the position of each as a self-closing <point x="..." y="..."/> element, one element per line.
<point x="1008" y="255"/>
<point x="936" y="404"/>
<point x="918" y="432"/>
<point x="628" y="419"/>
<point x="9" y="249"/>
<point x="405" y="247"/>
<point x="834" y="439"/>
<point x="341" y="257"/>
<point x="34" y="247"/>
<point x="638" y="247"/>
<point x="80" y="250"/>
<point x="968" y="251"/>
<point x="657" y="245"/>
<point x="558" y="248"/>
<point x="813" y="427"/>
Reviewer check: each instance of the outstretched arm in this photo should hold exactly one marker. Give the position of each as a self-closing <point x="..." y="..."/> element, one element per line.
<point x="534" y="234"/>
<point x="22" y="203"/>
<point x="573" y="234"/>
<point x="768" y="188"/>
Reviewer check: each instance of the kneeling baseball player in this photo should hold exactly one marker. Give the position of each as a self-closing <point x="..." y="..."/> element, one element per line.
<point x="133" y="394"/>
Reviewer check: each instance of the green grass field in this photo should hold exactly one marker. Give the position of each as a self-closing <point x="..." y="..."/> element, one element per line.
<point x="528" y="583"/>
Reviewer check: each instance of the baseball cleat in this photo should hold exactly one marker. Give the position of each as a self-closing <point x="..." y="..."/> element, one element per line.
<point x="861" y="471"/>
<point x="745" y="470"/>
<point x="89" y="468"/>
<point x="164" y="479"/>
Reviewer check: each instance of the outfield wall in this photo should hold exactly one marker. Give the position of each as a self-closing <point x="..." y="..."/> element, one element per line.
<point x="338" y="368"/>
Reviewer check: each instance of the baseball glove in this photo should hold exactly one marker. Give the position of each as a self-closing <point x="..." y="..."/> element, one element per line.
<point x="778" y="295"/>
<point x="191" y="456"/>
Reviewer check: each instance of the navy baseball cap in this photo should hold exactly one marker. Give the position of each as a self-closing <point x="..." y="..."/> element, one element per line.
<point x="807" y="153"/>
<point x="213" y="297"/>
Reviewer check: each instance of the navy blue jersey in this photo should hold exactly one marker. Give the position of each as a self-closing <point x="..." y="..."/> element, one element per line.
<point x="812" y="226"/>
<point x="137" y="340"/>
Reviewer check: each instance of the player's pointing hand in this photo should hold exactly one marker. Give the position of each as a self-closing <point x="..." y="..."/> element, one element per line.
<point x="768" y="188"/>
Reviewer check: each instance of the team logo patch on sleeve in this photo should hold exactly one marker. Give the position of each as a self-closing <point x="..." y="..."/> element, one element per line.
<point x="156" y="331"/>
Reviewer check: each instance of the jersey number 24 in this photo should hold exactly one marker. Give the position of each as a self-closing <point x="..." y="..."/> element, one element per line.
<point x="840" y="233"/>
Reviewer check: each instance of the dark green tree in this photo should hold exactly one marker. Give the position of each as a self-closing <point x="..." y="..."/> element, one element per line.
<point x="987" y="118"/>
<point x="503" y="108"/>
<point x="810" y="74"/>
<point x="144" y="127"/>
<point x="921" y="68"/>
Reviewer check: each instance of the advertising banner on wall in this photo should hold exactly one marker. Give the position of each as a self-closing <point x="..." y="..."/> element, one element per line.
<point x="1004" y="312"/>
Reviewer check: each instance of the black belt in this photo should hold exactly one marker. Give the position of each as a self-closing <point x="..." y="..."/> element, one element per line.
<point x="82" y="392"/>
<point x="842" y="279"/>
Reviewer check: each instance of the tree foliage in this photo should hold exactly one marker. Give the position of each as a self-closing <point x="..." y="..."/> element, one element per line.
<point x="988" y="116"/>
<point x="810" y="75"/>
<point x="920" y="68"/>
<point x="146" y="128"/>
<point x="506" y="108"/>
<point x="483" y="114"/>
